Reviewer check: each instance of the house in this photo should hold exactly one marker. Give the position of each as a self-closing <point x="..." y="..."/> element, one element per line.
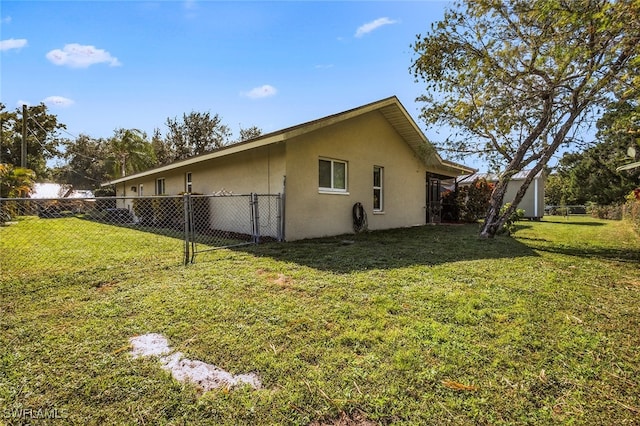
<point x="56" y="190"/>
<point x="375" y="155"/>
<point x="533" y="201"/>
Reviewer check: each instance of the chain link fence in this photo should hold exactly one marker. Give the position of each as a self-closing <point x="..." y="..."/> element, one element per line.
<point x="132" y="229"/>
<point x="231" y="220"/>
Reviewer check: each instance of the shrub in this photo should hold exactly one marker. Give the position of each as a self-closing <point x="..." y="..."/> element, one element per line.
<point x="631" y="210"/>
<point x="613" y="212"/>
<point x="162" y="212"/>
<point x="106" y="203"/>
<point x="473" y="200"/>
<point x="509" y="226"/>
<point x="168" y="212"/>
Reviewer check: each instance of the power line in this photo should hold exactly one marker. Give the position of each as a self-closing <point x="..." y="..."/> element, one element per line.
<point x="40" y="143"/>
<point x="65" y="131"/>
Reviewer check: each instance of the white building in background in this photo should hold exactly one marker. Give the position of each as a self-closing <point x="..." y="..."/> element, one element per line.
<point x="56" y="190"/>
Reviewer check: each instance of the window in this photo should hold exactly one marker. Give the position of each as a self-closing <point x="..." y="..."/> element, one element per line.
<point x="377" y="189"/>
<point x="332" y="175"/>
<point x="188" y="183"/>
<point x="140" y="190"/>
<point x="160" y="186"/>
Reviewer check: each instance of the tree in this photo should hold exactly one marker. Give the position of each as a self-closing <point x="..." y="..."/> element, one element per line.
<point x="555" y="191"/>
<point x="517" y="79"/>
<point x="43" y="138"/>
<point x="129" y="152"/>
<point x="85" y="166"/>
<point x="627" y="124"/>
<point x="161" y="149"/>
<point x="16" y="182"/>
<point x="249" y="133"/>
<point x="592" y="175"/>
<point x="197" y="133"/>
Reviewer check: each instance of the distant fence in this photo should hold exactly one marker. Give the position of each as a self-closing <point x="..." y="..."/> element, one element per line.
<point x="199" y="222"/>
<point x="578" y="209"/>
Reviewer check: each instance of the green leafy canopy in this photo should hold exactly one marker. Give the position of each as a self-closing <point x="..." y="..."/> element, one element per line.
<point x="517" y="79"/>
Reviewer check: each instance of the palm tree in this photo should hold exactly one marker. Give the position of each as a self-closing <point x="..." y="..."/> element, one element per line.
<point x="129" y="152"/>
<point x="16" y="182"/>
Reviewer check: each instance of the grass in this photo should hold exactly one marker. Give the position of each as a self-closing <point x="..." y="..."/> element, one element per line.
<point x="426" y="325"/>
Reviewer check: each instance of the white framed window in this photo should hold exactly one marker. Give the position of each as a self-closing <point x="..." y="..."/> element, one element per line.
<point x="160" y="186"/>
<point x="378" y="193"/>
<point x="141" y="190"/>
<point x="332" y="175"/>
<point x="188" y="182"/>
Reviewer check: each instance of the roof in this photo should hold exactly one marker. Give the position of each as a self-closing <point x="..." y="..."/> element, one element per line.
<point x="56" y="190"/>
<point x="493" y="177"/>
<point x="391" y="108"/>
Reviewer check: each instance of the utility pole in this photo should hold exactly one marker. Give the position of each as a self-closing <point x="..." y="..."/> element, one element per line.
<point x="1" y="135"/>
<point x="23" y="153"/>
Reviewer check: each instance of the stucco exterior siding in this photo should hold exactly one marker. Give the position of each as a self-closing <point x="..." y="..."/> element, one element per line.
<point x="260" y="170"/>
<point x="363" y="142"/>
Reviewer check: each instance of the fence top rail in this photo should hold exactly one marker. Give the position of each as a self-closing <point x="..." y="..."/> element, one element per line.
<point x="56" y="199"/>
<point x="136" y="197"/>
<point x="219" y="195"/>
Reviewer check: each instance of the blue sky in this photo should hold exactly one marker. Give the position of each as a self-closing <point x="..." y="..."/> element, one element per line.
<point x="102" y="65"/>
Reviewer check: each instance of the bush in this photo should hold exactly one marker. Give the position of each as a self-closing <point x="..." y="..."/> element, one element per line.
<point x="613" y="212"/>
<point x="8" y="210"/>
<point x="168" y="212"/>
<point x="161" y="212"/>
<point x="62" y="208"/>
<point x="105" y="203"/>
<point x="509" y="226"/>
<point x="473" y="200"/>
<point x="631" y="210"/>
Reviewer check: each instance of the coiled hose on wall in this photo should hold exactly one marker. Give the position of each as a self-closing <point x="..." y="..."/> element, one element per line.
<point x="359" y="218"/>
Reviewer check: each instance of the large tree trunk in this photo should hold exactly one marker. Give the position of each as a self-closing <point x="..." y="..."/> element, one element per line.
<point x="495" y="221"/>
<point x="492" y="217"/>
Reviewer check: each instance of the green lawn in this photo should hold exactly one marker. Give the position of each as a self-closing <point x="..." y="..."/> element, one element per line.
<point x="427" y="325"/>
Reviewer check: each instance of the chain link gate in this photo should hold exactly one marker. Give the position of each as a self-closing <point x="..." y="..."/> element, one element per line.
<point x="222" y="221"/>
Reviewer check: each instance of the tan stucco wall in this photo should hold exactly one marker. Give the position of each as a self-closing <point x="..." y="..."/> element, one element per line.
<point x="363" y="142"/>
<point x="260" y="170"/>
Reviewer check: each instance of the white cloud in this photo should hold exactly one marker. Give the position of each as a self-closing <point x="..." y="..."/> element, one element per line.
<point x="13" y="43"/>
<point x="373" y="25"/>
<point x="58" y="101"/>
<point x="191" y="8"/>
<point x="6" y="20"/>
<point x="261" y="92"/>
<point x="76" y="55"/>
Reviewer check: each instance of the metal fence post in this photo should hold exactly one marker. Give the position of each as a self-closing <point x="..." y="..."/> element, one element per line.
<point x="279" y="219"/>
<point x="186" y="203"/>
<point x="255" y="218"/>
